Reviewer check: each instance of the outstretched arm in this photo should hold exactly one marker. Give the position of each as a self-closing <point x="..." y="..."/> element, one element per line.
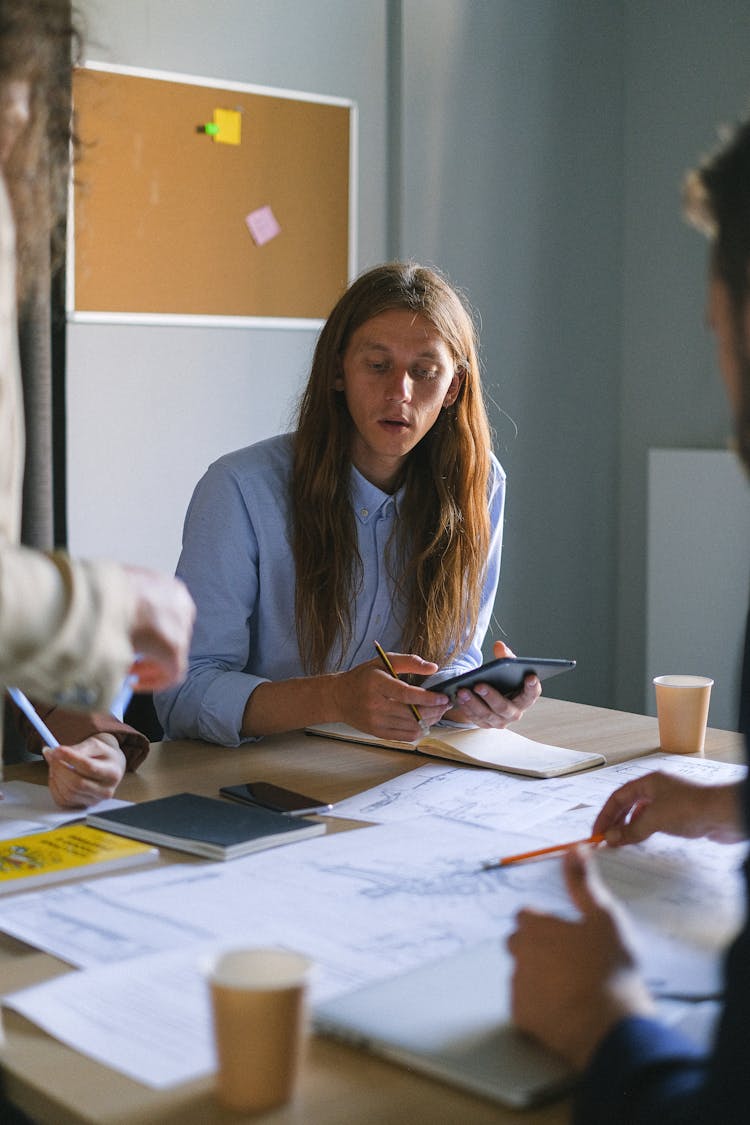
<point x="659" y="802"/>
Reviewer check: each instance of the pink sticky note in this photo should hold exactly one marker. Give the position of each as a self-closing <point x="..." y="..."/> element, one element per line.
<point x="262" y="225"/>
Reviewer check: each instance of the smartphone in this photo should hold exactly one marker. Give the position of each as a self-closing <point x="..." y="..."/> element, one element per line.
<point x="505" y="674"/>
<point x="274" y="797"/>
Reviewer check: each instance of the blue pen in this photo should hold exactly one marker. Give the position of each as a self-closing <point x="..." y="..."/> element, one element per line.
<point x="41" y="728"/>
<point x="123" y="697"/>
<point x="118" y="708"/>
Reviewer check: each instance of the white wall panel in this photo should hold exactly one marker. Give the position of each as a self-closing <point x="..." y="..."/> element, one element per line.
<point x="698" y="566"/>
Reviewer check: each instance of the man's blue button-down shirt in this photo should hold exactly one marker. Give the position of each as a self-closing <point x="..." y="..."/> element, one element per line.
<point x="237" y="563"/>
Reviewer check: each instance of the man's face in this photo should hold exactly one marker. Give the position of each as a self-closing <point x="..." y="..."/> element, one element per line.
<point x="397" y="375"/>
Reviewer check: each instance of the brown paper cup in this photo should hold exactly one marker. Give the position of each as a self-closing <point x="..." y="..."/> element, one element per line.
<point x="258" y="1002"/>
<point x="682" y="710"/>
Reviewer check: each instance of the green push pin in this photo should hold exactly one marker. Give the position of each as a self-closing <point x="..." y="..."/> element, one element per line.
<point x="210" y="128"/>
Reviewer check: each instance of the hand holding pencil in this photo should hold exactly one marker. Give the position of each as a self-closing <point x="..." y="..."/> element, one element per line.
<point x="372" y="698"/>
<point x="423" y="726"/>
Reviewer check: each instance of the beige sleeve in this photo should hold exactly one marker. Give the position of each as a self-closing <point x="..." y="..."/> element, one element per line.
<point x="64" y="627"/>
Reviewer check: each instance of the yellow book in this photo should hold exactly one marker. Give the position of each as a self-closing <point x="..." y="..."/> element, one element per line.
<point x="75" y="849"/>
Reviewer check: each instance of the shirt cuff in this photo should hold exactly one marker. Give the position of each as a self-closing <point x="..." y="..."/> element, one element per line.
<point x="223" y="708"/>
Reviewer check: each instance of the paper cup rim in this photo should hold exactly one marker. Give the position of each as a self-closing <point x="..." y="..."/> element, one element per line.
<point x="678" y="681"/>
<point x="259" y="968"/>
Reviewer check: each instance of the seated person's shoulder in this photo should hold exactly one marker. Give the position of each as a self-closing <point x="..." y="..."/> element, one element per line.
<point x="271" y="458"/>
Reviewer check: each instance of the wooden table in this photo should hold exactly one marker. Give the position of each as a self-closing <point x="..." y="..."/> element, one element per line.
<point x="339" y="1085"/>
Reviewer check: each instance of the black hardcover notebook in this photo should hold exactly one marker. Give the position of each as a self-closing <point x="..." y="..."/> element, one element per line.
<point x="205" y="825"/>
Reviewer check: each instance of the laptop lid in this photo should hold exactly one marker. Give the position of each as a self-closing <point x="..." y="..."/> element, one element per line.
<point x="450" y="1019"/>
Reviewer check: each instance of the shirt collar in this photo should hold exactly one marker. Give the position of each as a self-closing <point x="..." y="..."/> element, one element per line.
<point x="368" y="499"/>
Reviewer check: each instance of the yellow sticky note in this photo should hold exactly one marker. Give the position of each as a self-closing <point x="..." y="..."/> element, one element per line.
<point x="229" y="123"/>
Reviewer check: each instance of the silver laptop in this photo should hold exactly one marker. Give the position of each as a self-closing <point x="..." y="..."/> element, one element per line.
<point x="450" y="1019"/>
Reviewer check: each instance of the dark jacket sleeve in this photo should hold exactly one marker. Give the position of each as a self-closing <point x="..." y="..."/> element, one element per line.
<point x="70" y="727"/>
<point x="644" y="1073"/>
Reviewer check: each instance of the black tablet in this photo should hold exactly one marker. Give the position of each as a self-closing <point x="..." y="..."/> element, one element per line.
<point x="506" y="674"/>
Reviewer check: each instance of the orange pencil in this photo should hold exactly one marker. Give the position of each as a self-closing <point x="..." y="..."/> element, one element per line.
<point x="552" y="850"/>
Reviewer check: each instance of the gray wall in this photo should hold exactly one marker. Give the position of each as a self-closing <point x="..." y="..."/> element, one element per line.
<point x="512" y="183"/>
<point x="531" y="148"/>
<point x="688" y="71"/>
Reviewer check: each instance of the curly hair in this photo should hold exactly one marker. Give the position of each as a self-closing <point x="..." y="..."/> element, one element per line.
<point x="437" y="557"/>
<point x="39" y="42"/>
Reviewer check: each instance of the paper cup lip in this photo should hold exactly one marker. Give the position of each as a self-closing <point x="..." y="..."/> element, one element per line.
<point x="260" y="968"/>
<point x="683" y="681"/>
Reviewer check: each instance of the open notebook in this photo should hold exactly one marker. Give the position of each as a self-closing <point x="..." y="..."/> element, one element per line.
<point x="476" y="746"/>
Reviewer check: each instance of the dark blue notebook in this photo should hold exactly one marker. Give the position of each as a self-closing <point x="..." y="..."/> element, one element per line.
<point x="205" y="825"/>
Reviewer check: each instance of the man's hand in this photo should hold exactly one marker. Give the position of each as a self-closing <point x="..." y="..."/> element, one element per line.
<point x="161" y="630"/>
<point x="659" y="802"/>
<point x="573" y="981"/>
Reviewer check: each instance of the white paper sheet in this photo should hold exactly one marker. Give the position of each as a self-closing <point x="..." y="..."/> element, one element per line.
<point x="378" y="897"/>
<point x="152" y="1024"/>
<point x="364" y="905"/>
<point x="465" y="793"/>
<point x="480" y="796"/>
<point x="26" y="808"/>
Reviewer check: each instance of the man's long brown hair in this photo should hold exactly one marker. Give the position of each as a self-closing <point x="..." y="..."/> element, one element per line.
<point x="438" y="552"/>
<point x="39" y="42"/>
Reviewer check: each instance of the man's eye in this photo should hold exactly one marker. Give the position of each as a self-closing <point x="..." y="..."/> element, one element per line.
<point x="377" y="365"/>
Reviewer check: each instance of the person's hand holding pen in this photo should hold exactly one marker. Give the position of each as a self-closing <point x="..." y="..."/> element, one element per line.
<point x="81" y="775"/>
<point x="88" y="772"/>
<point x="424" y="726"/>
<point x="373" y="698"/>
<point x="659" y="802"/>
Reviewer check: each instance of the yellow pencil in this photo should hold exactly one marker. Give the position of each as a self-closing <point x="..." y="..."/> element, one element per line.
<point x="423" y="726"/>
<point x="598" y="838"/>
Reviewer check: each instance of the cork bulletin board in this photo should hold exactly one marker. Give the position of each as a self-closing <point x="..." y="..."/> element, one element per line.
<point x="199" y="200"/>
